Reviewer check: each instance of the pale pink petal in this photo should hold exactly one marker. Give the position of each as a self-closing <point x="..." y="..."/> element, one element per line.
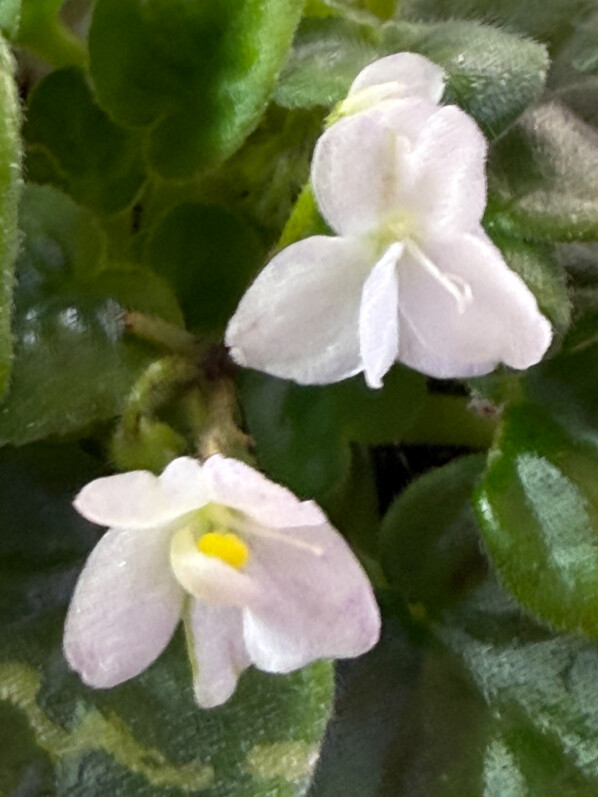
<point x="379" y="317"/>
<point x="138" y="499"/>
<point x="217" y="650"/>
<point x="501" y="323"/>
<point x="413" y="74"/>
<point x="318" y="602"/>
<point x="207" y="577"/>
<point x="235" y="484"/>
<point x="298" y="320"/>
<point x="125" y="607"/>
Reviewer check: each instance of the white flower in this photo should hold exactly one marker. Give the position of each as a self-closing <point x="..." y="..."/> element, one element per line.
<point x="258" y="577"/>
<point x="411" y="276"/>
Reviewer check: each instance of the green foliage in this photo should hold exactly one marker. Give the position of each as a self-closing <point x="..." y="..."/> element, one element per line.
<point x="492" y="74"/>
<point x="542" y="179"/>
<point x="429" y="536"/>
<point x="10" y="183"/>
<point x="146" y="737"/>
<point x="197" y="74"/>
<point x="36" y="24"/>
<point x="538" y="510"/>
<point x="73" y="365"/>
<point x="204" y="251"/>
<point x="302" y="434"/>
<point x="98" y="163"/>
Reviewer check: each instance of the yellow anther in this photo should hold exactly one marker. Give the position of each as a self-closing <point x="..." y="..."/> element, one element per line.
<point x="226" y="546"/>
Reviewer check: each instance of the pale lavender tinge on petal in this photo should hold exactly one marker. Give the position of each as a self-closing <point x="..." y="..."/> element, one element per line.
<point x="125" y="607"/>
<point x="138" y="499"/>
<point x="298" y="320"/>
<point x="217" y="649"/>
<point x="318" y="602"/>
<point x="237" y="485"/>
<point x="379" y="317"/>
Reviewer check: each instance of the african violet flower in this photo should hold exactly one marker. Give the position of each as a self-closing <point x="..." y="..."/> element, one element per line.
<point x="411" y="276"/>
<point x="258" y="577"/>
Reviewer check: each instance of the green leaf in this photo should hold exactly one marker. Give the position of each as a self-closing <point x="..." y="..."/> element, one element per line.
<point x="538" y="512"/>
<point x="302" y="434"/>
<point x="209" y="256"/>
<point x="10" y="16"/>
<point x="144" y="737"/>
<point x="296" y="432"/>
<point x="544" y="177"/>
<point x="327" y="54"/>
<point x="429" y="536"/>
<point x="540" y="688"/>
<point x="73" y="365"/>
<point x="10" y="183"/>
<point x="40" y="28"/>
<point x="193" y="73"/>
<point x="97" y="162"/>
<point x="492" y="74"/>
<point x="551" y="21"/>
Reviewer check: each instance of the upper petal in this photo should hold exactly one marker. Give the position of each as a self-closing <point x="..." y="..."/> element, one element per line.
<point x="125" y="607"/>
<point x="501" y="323"/>
<point x="235" y="484"/>
<point x="207" y="577"/>
<point x="217" y="650"/>
<point x="447" y="168"/>
<point x="298" y="320"/>
<point x="318" y="602"/>
<point x="138" y="499"/>
<point x="379" y="317"/>
<point x="413" y="76"/>
<point x="353" y="173"/>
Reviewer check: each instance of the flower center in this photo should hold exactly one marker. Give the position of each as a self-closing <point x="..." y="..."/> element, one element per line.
<point x="396" y="228"/>
<point x="224" y="545"/>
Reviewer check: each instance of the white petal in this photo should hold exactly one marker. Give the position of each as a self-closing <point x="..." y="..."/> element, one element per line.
<point x="218" y="652"/>
<point x="413" y="74"/>
<point x="317" y="606"/>
<point x="447" y="187"/>
<point x="502" y="323"/>
<point x="299" y="318"/>
<point x="125" y="607"/>
<point x="138" y="499"/>
<point x="379" y="317"/>
<point x="235" y="484"/>
<point x="207" y="577"/>
<point x="353" y="173"/>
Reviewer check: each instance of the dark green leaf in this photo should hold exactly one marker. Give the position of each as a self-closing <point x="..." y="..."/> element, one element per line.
<point x="550" y="21"/>
<point x="198" y="74"/>
<point x="40" y="28"/>
<point x="10" y="177"/>
<point x="429" y="536"/>
<point x="73" y="367"/>
<point x="97" y="162"/>
<point x="145" y="737"/>
<point x="327" y="54"/>
<point x="209" y="256"/>
<point x="492" y="74"/>
<point x="296" y="432"/>
<point x="544" y="176"/>
<point x="538" y="510"/>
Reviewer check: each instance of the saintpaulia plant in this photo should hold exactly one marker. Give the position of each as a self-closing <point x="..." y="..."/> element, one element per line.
<point x="258" y="576"/>
<point x="412" y="275"/>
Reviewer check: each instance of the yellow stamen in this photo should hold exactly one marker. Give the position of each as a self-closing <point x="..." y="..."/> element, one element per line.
<point x="226" y="546"/>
